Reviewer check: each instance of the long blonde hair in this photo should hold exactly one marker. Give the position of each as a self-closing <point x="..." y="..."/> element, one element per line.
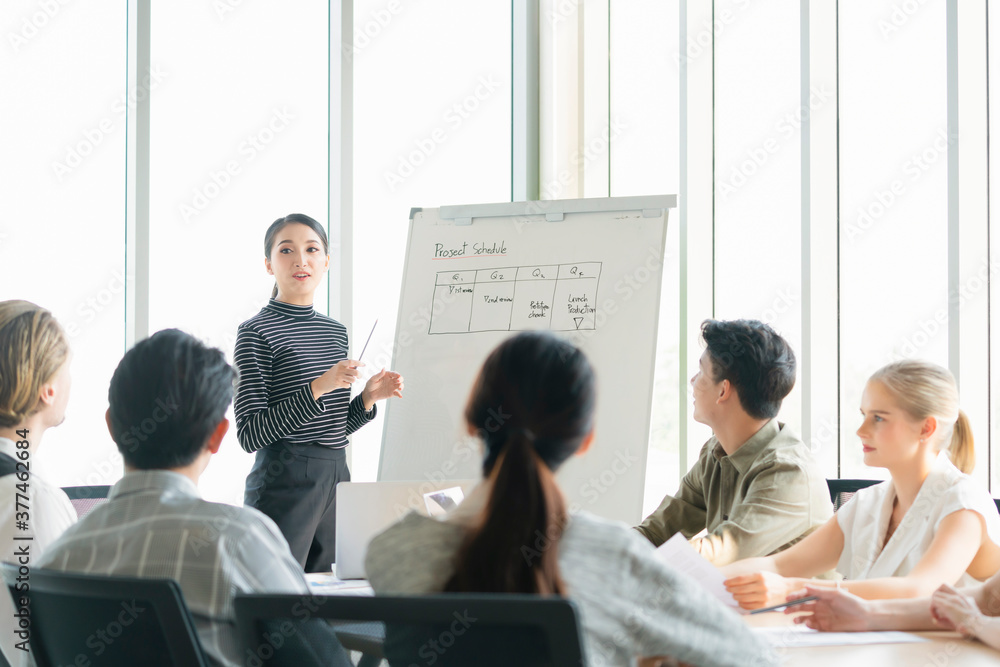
<point x="33" y="347"/>
<point x="923" y="390"/>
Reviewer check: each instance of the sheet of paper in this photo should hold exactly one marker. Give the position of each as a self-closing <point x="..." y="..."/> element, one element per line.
<point x="680" y="555"/>
<point x="798" y="636"/>
<point x="321" y="583"/>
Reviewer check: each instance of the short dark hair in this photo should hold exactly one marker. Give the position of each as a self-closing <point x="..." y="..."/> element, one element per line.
<point x="167" y="395"/>
<point x="757" y="361"/>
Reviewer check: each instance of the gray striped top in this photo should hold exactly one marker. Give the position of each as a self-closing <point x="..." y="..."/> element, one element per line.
<point x="630" y="603"/>
<point x="279" y="351"/>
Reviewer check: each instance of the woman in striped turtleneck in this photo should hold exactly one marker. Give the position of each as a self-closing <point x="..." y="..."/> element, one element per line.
<point x="293" y="402"/>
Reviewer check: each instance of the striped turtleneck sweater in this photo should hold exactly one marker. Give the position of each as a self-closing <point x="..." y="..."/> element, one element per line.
<point x="279" y="351"/>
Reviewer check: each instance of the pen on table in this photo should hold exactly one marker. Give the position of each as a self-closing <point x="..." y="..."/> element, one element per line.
<point x="785" y="604"/>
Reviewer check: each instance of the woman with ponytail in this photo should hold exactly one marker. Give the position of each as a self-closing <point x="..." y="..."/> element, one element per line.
<point x="515" y="534"/>
<point x="929" y="525"/>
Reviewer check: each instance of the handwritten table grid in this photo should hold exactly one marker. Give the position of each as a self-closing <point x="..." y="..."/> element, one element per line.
<point x="516" y="298"/>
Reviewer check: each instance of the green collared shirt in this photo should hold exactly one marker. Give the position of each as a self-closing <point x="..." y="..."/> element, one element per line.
<point x="762" y="498"/>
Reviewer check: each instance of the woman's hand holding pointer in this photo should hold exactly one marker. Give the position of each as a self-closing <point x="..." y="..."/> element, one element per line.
<point x="342" y="374"/>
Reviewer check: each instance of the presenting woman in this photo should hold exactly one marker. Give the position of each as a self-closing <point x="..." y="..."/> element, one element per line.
<point x="293" y="401"/>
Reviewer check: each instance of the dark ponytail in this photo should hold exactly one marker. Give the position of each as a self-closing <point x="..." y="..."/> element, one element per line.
<point x="272" y="233"/>
<point x="533" y="406"/>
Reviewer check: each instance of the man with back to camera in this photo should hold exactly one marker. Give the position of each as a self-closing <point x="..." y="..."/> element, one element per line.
<point x="755" y="488"/>
<point x="168" y="400"/>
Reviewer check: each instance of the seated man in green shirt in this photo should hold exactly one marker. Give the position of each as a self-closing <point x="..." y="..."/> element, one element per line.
<point x="755" y="488"/>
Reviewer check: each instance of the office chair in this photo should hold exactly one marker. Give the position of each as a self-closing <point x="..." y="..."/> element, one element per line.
<point x="86" y="498"/>
<point x="841" y="490"/>
<point x="448" y="629"/>
<point x="107" y="620"/>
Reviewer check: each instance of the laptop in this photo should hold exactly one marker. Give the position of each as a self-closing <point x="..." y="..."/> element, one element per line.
<point x="365" y="509"/>
<point x="85" y="498"/>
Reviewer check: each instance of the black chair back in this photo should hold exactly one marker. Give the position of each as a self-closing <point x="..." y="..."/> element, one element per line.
<point x="841" y="490"/>
<point x="98" y="620"/>
<point x="86" y="498"/>
<point x="444" y="630"/>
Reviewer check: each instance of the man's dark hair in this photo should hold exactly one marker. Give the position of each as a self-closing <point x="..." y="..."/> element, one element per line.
<point x="167" y="395"/>
<point x="757" y="362"/>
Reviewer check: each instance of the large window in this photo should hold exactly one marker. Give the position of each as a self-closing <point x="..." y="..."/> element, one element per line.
<point x="62" y="236"/>
<point x="642" y="121"/>
<point x="609" y="79"/>
<point x="707" y="100"/>
<point x="432" y="127"/>
<point x="893" y="200"/>
<point x="239" y="114"/>
<point x="758" y="120"/>
<point x="239" y="123"/>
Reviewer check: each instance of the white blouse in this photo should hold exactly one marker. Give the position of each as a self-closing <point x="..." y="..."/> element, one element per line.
<point x="49" y="514"/>
<point x="864" y="520"/>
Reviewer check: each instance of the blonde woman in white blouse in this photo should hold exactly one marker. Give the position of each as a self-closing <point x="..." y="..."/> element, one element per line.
<point x="929" y="524"/>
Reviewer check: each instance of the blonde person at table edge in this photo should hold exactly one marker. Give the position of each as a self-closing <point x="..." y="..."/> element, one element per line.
<point x="34" y="391"/>
<point x="929" y="524"/>
<point x="293" y="403"/>
<point x="974" y="611"/>
<point x="630" y="602"/>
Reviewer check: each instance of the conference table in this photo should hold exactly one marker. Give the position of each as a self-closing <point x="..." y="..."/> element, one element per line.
<point x="941" y="649"/>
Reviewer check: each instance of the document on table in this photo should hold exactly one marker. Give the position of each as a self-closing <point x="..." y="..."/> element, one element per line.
<point x="678" y="553"/>
<point x="799" y="636"/>
<point x="328" y="584"/>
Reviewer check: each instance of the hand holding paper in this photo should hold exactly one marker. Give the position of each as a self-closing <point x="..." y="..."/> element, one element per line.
<point x="753" y="591"/>
<point x="680" y="555"/>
